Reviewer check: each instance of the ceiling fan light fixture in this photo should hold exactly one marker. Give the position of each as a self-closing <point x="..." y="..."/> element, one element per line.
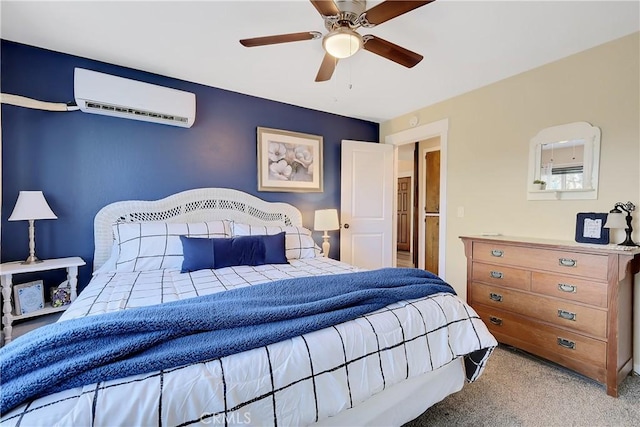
<point x="342" y="43"/>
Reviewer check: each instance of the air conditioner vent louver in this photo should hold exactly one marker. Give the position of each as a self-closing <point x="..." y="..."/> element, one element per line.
<point x="104" y="94"/>
<point x="125" y="110"/>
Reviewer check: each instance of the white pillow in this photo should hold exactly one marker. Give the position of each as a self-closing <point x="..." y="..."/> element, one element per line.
<point x="298" y="241"/>
<point x="148" y="246"/>
<point x="110" y="264"/>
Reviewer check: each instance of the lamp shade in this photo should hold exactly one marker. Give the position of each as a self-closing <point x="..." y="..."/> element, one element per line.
<point x="326" y="219"/>
<point x="615" y="220"/>
<point x="31" y="205"/>
<point x="342" y="43"/>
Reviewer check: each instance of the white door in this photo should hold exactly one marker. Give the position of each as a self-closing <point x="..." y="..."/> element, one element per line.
<point x="367" y="191"/>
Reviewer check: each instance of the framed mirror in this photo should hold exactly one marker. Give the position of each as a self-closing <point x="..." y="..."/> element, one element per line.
<point x="564" y="163"/>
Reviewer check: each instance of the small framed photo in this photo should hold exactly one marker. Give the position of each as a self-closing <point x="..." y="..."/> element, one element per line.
<point x="289" y="161"/>
<point x="60" y="295"/>
<point x="28" y="297"/>
<point x="590" y="228"/>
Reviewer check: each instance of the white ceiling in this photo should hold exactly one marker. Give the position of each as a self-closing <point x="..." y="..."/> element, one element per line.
<point x="466" y="45"/>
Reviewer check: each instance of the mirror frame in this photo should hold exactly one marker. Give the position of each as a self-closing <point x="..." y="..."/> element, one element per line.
<point x="591" y="167"/>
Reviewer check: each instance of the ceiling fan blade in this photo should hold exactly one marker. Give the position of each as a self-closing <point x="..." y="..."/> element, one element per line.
<point x="280" y="38"/>
<point x="326" y="7"/>
<point x="388" y="10"/>
<point x="327" y="68"/>
<point x="391" y="51"/>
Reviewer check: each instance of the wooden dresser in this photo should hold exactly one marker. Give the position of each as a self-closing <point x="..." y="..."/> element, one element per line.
<point x="566" y="302"/>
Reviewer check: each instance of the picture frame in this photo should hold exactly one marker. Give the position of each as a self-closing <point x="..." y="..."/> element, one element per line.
<point x="60" y="295"/>
<point x="590" y="228"/>
<point x="28" y="297"/>
<point x="289" y="161"/>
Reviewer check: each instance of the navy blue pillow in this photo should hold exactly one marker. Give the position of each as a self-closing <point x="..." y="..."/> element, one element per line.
<point x="242" y="250"/>
<point x="198" y="253"/>
<point x="250" y="250"/>
<point x="274" y="247"/>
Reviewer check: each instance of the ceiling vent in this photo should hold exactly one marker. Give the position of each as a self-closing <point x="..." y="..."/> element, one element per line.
<point x="100" y="93"/>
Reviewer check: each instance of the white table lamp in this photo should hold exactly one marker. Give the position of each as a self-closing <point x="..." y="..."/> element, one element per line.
<point x="31" y="205"/>
<point x="326" y="220"/>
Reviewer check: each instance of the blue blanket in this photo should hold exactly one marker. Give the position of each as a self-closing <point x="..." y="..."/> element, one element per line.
<point x="115" y="345"/>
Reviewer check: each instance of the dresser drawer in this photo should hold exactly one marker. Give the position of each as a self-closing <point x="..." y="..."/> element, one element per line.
<point x="570" y="288"/>
<point x="500" y="275"/>
<point x="589" y="320"/>
<point x="530" y="335"/>
<point x="564" y="262"/>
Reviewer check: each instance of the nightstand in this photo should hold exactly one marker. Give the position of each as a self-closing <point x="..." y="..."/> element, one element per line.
<point x="9" y="269"/>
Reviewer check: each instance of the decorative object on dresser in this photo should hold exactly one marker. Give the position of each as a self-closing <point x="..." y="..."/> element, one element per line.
<point x="31" y="205"/>
<point x="10" y="269"/>
<point x="326" y="220"/>
<point x="616" y="220"/>
<point x="566" y="302"/>
<point x="590" y="228"/>
<point x="289" y="161"/>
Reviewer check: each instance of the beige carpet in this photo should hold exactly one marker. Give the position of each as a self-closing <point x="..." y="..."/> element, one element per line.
<point x="517" y="389"/>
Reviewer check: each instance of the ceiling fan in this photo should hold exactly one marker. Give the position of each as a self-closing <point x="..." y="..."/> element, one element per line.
<point x="342" y="18"/>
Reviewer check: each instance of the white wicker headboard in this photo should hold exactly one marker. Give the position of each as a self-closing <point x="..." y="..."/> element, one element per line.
<point x="202" y="204"/>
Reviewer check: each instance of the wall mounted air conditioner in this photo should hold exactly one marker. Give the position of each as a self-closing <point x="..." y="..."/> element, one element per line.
<point x="100" y="93"/>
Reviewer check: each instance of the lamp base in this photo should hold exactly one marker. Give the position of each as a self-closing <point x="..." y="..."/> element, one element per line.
<point x="628" y="241"/>
<point x="325" y="245"/>
<point x="31" y="260"/>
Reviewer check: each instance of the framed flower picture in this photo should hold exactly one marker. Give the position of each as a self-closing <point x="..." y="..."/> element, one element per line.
<point x="289" y="161"/>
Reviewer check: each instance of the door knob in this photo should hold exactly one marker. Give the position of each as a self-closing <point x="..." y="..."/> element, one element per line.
<point x="346" y="226"/>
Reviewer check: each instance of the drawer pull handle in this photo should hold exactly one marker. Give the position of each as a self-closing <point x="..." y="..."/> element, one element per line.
<point x="495" y="320"/>
<point x="495" y="297"/>
<point x="567" y="288"/>
<point x="497" y="253"/>
<point x="496" y="274"/>
<point x="567" y="315"/>
<point x="563" y="342"/>
<point x="567" y="262"/>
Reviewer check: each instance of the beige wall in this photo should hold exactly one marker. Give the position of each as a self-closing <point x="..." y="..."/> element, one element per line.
<point x="488" y="143"/>
<point x="405" y="160"/>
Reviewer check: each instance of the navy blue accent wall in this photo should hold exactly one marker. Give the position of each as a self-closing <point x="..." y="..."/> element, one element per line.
<point x="84" y="161"/>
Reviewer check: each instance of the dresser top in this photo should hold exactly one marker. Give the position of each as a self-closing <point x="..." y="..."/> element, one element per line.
<point x="559" y="244"/>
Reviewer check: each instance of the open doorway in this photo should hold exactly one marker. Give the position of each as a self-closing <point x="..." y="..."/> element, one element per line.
<point x="406" y="205"/>
<point x="432" y="137"/>
<point x="418" y="205"/>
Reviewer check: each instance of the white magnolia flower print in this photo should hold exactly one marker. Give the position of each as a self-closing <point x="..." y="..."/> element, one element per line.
<point x="303" y="155"/>
<point x="277" y="151"/>
<point x="290" y="162"/>
<point x="280" y="170"/>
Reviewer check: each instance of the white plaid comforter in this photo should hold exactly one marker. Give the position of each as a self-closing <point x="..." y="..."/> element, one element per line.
<point x="295" y="382"/>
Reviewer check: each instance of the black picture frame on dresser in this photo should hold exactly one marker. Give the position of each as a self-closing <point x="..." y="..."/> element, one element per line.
<point x="590" y="228"/>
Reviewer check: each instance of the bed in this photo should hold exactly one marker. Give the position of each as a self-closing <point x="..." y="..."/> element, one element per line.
<point x="380" y="367"/>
